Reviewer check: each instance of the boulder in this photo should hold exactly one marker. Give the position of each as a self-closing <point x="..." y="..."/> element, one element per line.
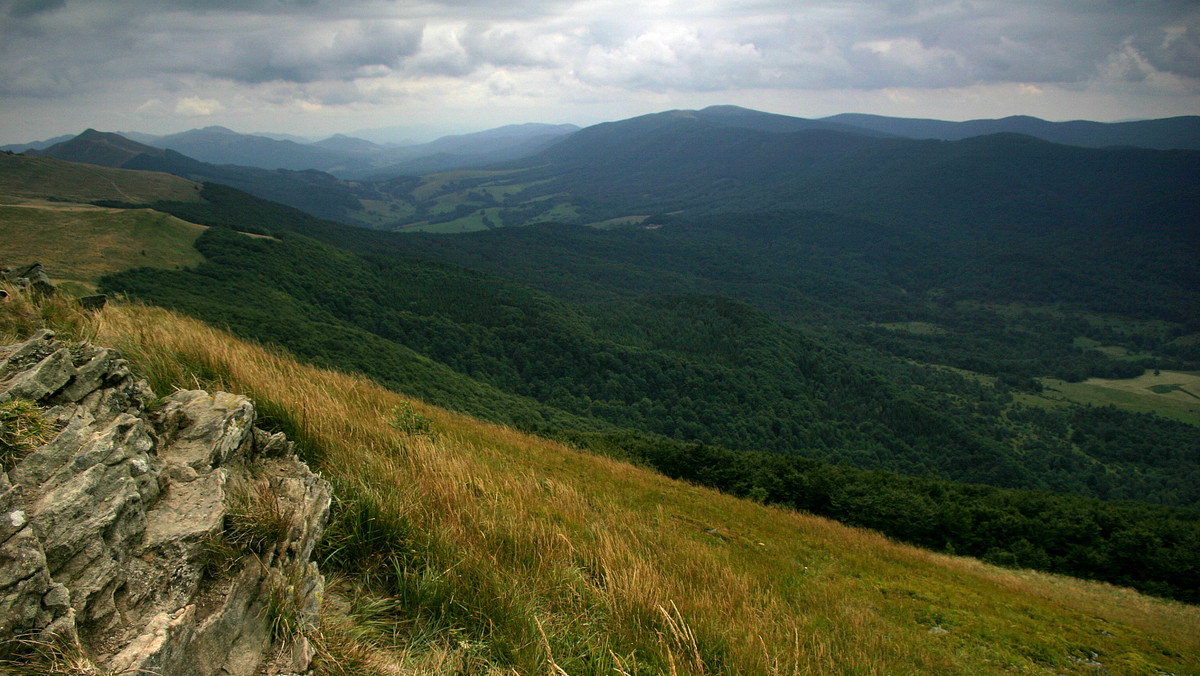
<point x="32" y="277"/>
<point x="107" y="531"/>
<point x="93" y="303"/>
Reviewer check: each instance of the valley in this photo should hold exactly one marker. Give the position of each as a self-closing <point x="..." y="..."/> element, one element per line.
<point x="983" y="347"/>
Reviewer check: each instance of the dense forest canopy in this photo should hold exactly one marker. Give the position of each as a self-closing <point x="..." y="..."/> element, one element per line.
<point x="698" y="346"/>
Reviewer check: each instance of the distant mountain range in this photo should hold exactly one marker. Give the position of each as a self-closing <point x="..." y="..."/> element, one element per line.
<point x="317" y="193"/>
<point x="1172" y="133"/>
<point x="717" y="160"/>
<point x="684" y="160"/>
<point x="35" y="145"/>
<point x="218" y="145"/>
<point x="356" y="158"/>
<point x="342" y="155"/>
<point x="502" y="144"/>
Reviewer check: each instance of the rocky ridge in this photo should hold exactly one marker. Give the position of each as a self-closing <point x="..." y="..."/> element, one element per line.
<point x="168" y="539"/>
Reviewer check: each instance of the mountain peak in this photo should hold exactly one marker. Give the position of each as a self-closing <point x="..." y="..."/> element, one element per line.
<point x="727" y="108"/>
<point x="105" y="138"/>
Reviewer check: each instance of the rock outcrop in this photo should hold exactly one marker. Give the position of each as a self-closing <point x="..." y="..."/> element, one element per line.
<point x="31" y="277"/>
<point x="174" y="539"/>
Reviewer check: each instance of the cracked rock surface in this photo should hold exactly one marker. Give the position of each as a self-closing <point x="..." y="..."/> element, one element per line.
<point x="106" y="530"/>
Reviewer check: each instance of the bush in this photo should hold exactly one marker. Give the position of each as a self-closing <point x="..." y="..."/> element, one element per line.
<point x="408" y="421"/>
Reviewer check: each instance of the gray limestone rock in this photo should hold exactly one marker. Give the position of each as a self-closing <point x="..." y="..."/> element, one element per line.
<point x="205" y="429"/>
<point x="104" y="530"/>
<point x="42" y="379"/>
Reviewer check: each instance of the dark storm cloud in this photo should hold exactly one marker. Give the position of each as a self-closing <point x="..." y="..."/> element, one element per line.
<point x="26" y="8"/>
<point x="332" y="52"/>
<point x="82" y="46"/>
<point x="1176" y="51"/>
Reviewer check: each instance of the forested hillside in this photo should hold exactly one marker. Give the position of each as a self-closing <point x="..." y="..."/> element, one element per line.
<point x="676" y="360"/>
<point x="687" y="375"/>
<point x="987" y="347"/>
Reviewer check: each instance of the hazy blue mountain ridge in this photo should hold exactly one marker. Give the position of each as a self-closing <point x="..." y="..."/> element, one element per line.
<point x="1173" y="133"/>
<point x="315" y="192"/>
<point x="218" y="145"/>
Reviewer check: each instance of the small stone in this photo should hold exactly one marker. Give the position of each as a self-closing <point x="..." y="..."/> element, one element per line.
<point x="57" y="597"/>
<point x="302" y="655"/>
<point x="274" y="446"/>
<point x="181" y="474"/>
<point x="35" y="278"/>
<point x="938" y="631"/>
<point x="93" y="303"/>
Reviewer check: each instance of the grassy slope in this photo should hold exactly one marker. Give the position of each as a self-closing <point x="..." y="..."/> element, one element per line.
<point x="44" y="215"/>
<point x="28" y="176"/>
<point x="1171" y="394"/>
<point x="488" y="550"/>
<point x="474" y="545"/>
<point x="87" y="242"/>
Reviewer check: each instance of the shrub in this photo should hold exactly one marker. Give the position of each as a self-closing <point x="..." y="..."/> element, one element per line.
<point x="408" y="421"/>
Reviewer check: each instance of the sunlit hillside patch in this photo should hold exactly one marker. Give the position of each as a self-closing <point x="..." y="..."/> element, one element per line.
<point x="1171" y="394"/>
<point x="38" y="177"/>
<point x="82" y="243"/>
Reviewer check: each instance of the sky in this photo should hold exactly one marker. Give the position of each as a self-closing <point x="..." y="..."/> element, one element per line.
<point x="423" y="68"/>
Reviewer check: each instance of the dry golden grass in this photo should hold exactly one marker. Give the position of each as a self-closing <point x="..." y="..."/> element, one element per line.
<point x="82" y="243"/>
<point x="482" y="550"/>
<point x="45" y="216"/>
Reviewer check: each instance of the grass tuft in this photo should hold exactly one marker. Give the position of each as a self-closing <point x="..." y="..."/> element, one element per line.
<point x="220" y="555"/>
<point x="22" y="429"/>
<point x="257" y="519"/>
<point x="285" y="604"/>
<point x="25" y="656"/>
<point x="405" y="419"/>
<point x="22" y="313"/>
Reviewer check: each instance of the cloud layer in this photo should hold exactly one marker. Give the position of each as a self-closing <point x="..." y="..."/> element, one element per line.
<point x="225" y="55"/>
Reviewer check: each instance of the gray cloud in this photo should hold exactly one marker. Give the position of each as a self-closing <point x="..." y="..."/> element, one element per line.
<point x="856" y="45"/>
<point x="339" y="51"/>
<point x="1174" y="49"/>
<point x="373" y="52"/>
<point x="20" y="9"/>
